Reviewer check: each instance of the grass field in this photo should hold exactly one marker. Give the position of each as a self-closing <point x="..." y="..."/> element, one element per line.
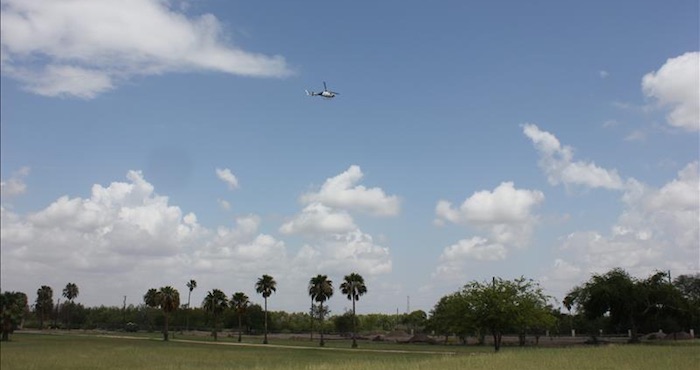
<point x="72" y="351"/>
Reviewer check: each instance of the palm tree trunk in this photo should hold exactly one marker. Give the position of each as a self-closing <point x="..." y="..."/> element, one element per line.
<point x="354" y="325"/>
<point x="265" y="340"/>
<point x="6" y="328"/>
<point x="312" y="320"/>
<point x="320" y="306"/>
<point x="187" y="319"/>
<point x="165" y="329"/>
<point x="239" y="327"/>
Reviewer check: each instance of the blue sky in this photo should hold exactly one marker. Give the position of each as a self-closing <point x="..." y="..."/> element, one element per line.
<point x="147" y="143"/>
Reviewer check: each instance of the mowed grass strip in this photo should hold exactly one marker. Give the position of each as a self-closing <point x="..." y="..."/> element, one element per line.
<point x="39" y="351"/>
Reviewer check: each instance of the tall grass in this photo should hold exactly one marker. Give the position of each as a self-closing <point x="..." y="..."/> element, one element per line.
<point x="56" y="352"/>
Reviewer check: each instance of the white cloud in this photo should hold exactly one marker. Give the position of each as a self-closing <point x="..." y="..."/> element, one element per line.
<point x="337" y="245"/>
<point x="353" y="251"/>
<point x="342" y="192"/>
<point x="318" y="219"/>
<point x="224" y="204"/>
<point x="557" y="162"/>
<point x="128" y="237"/>
<point x="603" y="74"/>
<point x="453" y="260"/>
<point x="15" y="185"/>
<point x="476" y="248"/>
<point x="82" y="48"/>
<point x="676" y="85"/>
<point x="506" y="212"/>
<point x="658" y="229"/>
<point x="228" y="177"/>
<point x="243" y="245"/>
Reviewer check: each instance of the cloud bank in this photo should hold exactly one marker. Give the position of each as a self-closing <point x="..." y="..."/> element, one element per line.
<point x="127" y="234"/>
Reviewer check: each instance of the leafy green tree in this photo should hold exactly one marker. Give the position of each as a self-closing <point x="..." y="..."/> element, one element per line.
<point x="215" y="303"/>
<point x="629" y="303"/>
<point x="448" y="316"/>
<point x="13" y="306"/>
<point x="689" y="286"/>
<point x="239" y="303"/>
<point x="70" y="292"/>
<point x="343" y="323"/>
<point x="533" y="312"/>
<point x="353" y="287"/>
<point x="416" y="319"/>
<point x="266" y="285"/>
<point x="501" y="305"/>
<point x="190" y="285"/>
<point x="320" y="290"/>
<point x="43" y="304"/>
<point x="615" y="294"/>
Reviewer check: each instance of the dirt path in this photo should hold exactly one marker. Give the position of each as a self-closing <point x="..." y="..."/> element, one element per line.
<point x="446" y="353"/>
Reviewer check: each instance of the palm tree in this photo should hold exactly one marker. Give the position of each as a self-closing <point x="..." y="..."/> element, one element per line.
<point x="151" y="298"/>
<point x="44" y="303"/>
<point x="239" y="302"/>
<point x="190" y="285"/>
<point x="265" y="286"/>
<point x="168" y="298"/>
<point x="70" y="292"/>
<point x="215" y="303"/>
<point x="353" y="287"/>
<point x="320" y="290"/>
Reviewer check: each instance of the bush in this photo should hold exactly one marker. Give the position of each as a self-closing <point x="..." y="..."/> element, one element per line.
<point x="131" y="327"/>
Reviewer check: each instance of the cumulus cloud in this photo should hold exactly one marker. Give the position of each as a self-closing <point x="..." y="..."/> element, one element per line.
<point x="676" y="86"/>
<point x="658" y="228"/>
<point x="15" y="185"/>
<point x="128" y="237"/>
<point x="351" y="251"/>
<point x="227" y="177"/>
<point x="125" y="235"/>
<point x="341" y="191"/>
<point x="82" y="48"/>
<point x="557" y="162"/>
<point x="453" y="260"/>
<point x="506" y="212"/>
<point x="336" y="242"/>
<point x="477" y="248"/>
<point x="243" y="245"/>
<point x="318" y="219"/>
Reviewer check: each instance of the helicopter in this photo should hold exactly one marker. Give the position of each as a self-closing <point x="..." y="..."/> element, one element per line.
<point x="325" y="93"/>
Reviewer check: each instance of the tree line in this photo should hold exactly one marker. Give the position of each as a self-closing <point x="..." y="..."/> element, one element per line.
<point x="614" y="302"/>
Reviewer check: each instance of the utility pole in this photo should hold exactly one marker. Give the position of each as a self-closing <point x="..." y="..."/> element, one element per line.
<point x="124" y="314"/>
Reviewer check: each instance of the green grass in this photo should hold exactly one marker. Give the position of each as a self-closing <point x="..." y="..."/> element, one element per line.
<point x="70" y="351"/>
